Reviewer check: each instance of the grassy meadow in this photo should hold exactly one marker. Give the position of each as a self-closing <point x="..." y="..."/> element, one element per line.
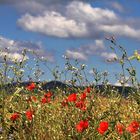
<point x="31" y="113"/>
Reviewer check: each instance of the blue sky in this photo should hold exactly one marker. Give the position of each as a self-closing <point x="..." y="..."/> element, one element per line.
<point x="75" y="28"/>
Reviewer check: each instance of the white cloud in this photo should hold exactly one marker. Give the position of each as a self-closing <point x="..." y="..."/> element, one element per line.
<point x="121" y="30"/>
<point x="79" y="20"/>
<point x="95" y="49"/>
<point x="83" y="52"/>
<point x="12" y="56"/>
<point x="100" y="44"/>
<point x="13" y="49"/>
<point x="31" y="6"/>
<point x="84" y="12"/>
<point x="53" y="24"/>
<point x="109" y="57"/>
<point x="75" y="55"/>
<point x="122" y="81"/>
<point x="92" y="49"/>
<point x="119" y="84"/>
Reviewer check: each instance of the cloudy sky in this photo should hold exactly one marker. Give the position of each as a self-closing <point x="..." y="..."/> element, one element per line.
<point x="75" y="28"/>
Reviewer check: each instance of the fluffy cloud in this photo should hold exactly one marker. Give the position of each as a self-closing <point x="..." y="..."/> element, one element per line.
<point x="80" y="19"/>
<point x="37" y="6"/>
<point x="96" y="49"/>
<point x="45" y="2"/>
<point x="76" y="55"/>
<point x="12" y="56"/>
<point x="119" y="84"/>
<point x="122" y="81"/>
<point x="53" y="24"/>
<point x="13" y="49"/>
<point x="84" y="12"/>
<point x="76" y="22"/>
<point x="109" y="57"/>
<point x="122" y="30"/>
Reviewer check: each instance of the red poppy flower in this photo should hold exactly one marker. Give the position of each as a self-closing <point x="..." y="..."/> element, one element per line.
<point x="133" y="127"/>
<point x="48" y="95"/>
<point x="29" y="114"/>
<point x="82" y="125"/>
<point x="80" y="105"/>
<point x="48" y="100"/>
<point x="83" y="96"/>
<point x="45" y="100"/>
<point x="14" y="116"/>
<point x="88" y="89"/>
<point x="31" y="87"/>
<point x="86" y="124"/>
<point x="79" y="128"/>
<point x="33" y="98"/>
<point x="84" y="108"/>
<point x="103" y="127"/>
<point x="72" y="97"/>
<point x="64" y="102"/>
<point x="119" y="128"/>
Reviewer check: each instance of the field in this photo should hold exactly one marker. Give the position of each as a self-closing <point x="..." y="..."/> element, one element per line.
<point x="34" y="114"/>
<point x="30" y="113"/>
